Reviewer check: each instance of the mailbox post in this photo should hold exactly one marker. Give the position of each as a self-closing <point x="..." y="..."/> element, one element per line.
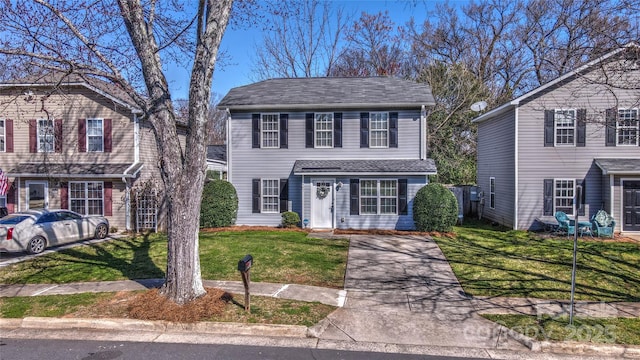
<point x="244" y="266"/>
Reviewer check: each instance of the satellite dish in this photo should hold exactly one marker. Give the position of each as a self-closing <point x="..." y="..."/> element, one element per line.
<point x="479" y="106"/>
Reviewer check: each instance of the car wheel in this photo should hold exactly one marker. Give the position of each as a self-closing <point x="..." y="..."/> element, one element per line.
<point x="36" y="245"/>
<point x="101" y="231"/>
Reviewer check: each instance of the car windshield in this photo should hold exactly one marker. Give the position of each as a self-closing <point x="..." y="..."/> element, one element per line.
<point x="13" y="219"/>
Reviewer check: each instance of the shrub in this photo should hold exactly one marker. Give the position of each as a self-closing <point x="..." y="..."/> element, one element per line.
<point x="435" y="208"/>
<point x="219" y="205"/>
<point x="290" y="219"/>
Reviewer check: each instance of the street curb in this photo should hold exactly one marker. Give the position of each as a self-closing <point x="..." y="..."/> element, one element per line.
<point x="290" y="331"/>
<point x="575" y="348"/>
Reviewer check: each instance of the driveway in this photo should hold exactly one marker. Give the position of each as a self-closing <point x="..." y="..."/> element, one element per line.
<point x="401" y="289"/>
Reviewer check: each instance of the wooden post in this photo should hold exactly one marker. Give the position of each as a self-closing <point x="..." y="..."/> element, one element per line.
<point x="246" y="281"/>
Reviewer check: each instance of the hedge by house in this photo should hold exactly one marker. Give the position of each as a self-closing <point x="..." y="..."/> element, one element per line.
<point x="435" y="208"/>
<point x="219" y="206"/>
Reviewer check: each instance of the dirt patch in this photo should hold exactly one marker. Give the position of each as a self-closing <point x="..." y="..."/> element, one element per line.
<point x="150" y="305"/>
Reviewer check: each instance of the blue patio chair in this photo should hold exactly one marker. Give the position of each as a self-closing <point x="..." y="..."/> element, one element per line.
<point x="603" y="223"/>
<point x="565" y="224"/>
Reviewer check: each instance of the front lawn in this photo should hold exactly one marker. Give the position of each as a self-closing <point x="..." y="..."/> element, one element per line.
<point x="493" y="261"/>
<point x="279" y="257"/>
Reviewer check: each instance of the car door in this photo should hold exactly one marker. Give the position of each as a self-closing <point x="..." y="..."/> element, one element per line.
<point x="54" y="230"/>
<point x="75" y="225"/>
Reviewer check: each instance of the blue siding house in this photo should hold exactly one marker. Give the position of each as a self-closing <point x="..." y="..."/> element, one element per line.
<point x="341" y="152"/>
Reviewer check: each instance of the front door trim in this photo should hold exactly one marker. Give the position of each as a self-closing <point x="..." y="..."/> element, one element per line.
<point x="312" y="198"/>
<point x="45" y="183"/>
<point x="622" y="209"/>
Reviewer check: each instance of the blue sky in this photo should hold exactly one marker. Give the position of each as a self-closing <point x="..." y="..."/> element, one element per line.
<point x="239" y="43"/>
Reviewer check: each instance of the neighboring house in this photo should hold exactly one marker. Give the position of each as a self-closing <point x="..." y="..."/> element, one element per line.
<point x="74" y="144"/>
<point x="341" y="152"/>
<point x="582" y="128"/>
<point x="217" y="160"/>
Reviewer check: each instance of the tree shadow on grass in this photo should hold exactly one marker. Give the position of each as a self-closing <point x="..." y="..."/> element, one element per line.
<point x="114" y="254"/>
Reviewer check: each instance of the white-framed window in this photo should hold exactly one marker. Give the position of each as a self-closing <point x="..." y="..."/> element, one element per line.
<point x="379" y="130"/>
<point x="86" y="197"/>
<point x="627" y="127"/>
<point x="378" y="197"/>
<point x="565" y="127"/>
<point x="492" y="192"/>
<point x="270" y="195"/>
<point x="3" y="136"/>
<point x="46" y="136"/>
<point x="323" y="129"/>
<point x="270" y="130"/>
<point x="563" y="193"/>
<point x="95" y="135"/>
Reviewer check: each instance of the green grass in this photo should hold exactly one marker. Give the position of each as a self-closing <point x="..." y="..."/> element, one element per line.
<point x="493" y="261"/>
<point x="49" y="305"/>
<point x="279" y="256"/>
<point x="596" y="330"/>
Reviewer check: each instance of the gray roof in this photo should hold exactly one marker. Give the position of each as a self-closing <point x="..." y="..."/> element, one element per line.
<point x="217" y="152"/>
<point x="365" y="167"/>
<point x="329" y="93"/>
<point x="104" y="171"/>
<point x="618" y="166"/>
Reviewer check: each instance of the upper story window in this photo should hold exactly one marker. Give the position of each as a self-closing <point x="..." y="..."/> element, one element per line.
<point x="269" y="131"/>
<point x="627" y="127"/>
<point x="565" y="127"/>
<point x="95" y="135"/>
<point x="323" y="125"/>
<point x="3" y="136"/>
<point x="46" y="136"/>
<point x="378" y="129"/>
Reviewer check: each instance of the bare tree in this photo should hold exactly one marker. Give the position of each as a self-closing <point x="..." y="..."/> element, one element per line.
<point x="127" y="43"/>
<point x="301" y="40"/>
<point x="374" y="48"/>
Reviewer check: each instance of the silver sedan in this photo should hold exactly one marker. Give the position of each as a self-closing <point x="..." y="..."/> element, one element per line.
<point x="35" y="230"/>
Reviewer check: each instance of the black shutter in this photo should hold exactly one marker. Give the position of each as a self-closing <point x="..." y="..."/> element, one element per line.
<point x="255" y="122"/>
<point x="256" y="196"/>
<point x="393" y="130"/>
<point x="581" y="127"/>
<point x="364" y="130"/>
<point x="309" y="130"/>
<point x="610" y="120"/>
<point x="354" y="192"/>
<point x="337" y="130"/>
<point x="284" y="131"/>
<point x="284" y="195"/>
<point x="582" y="182"/>
<point x="402" y="197"/>
<point x="549" y="116"/>
<point x="548" y="197"/>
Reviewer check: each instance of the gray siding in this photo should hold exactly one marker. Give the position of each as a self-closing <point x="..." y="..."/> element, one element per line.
<point x="247" y="163"/>
<point x="496" y="158"/>
<point x="537" y="162"/>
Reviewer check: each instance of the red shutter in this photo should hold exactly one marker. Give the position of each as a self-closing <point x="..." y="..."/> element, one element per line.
<point x="107" y="135"/>
<point x="64" y="195"/>
<point x="11" y="198"/>
<point x="57" y="135"/>
<point x="8" y="127"/>
<point x="108" y="198"/>
<point x="33" y="136"/>
<point x="82" y="135"/>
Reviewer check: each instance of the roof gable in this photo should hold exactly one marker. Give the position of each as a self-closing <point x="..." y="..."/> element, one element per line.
<point x="330" y="93"/>
<point x="515" y="102"/>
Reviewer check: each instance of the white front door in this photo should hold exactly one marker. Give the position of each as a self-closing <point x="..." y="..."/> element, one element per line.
<point x="322" y="203"/>
<point x="37" y="195"/>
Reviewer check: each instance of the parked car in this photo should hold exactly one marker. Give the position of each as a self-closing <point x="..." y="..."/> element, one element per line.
<point x="35" y="230"/>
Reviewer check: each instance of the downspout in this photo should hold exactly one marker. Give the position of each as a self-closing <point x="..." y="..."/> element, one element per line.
<point x="136" y="160"/>
<point x="228" y="143"/>
<point x="612" y="194"/>
<point x="515" y="175"/>
<point x="18" y="197"/>
<point x="423" y="133"/>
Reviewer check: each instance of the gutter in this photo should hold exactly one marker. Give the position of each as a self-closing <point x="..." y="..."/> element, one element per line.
<point x="324" y="106"/>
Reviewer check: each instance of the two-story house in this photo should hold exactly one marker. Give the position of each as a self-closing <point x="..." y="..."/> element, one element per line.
<point x="582" y="128"/>
<point x="341" y="152"/>
<point x="75" y="144"/>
